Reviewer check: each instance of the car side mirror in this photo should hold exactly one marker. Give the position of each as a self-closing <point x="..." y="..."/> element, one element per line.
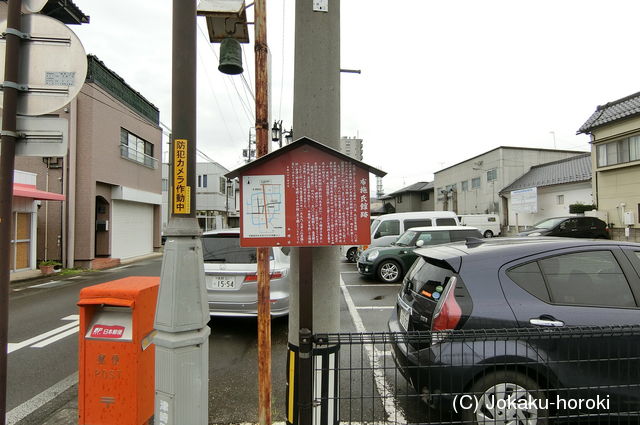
<point x="419" y="243"/>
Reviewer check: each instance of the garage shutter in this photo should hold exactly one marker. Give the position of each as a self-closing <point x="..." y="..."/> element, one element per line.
<point x="131" y="230"/>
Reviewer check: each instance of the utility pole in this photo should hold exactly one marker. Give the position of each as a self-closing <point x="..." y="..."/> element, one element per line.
<point x="316" y="115"/>
<point x="262" y="148"/>
<point x="182" y="341"/>
<point x="7" y="166"/>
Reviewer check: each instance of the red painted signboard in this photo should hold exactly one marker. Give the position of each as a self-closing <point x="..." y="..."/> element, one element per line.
<point x="306" y="196"/>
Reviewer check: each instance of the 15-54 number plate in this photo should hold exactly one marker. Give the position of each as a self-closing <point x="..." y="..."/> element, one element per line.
<point x="221" y="282"/>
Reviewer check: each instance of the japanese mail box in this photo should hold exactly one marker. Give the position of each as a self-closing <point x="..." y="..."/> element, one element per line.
<point x="116" y="384"/>
<point x="304" y="194"/>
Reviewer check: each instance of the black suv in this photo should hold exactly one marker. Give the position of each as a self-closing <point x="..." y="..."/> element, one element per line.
<point x="541" y="289"/>
<point x="570" y="227"/>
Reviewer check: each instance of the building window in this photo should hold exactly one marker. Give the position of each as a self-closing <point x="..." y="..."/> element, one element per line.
<point x="399" y="199"/>
<point x="618" y="152"/>
<point x="199" y="181"/>
<point x="204" y="180"/>
<point x="492" y="175"/>
<point x="560" y="199"/>
<point x="424" y="196"/>
<point x="136" y="149"/>
<point x="450" y="188"/>
<point x="465" y="185"/>
<point x="223" y="185"/>
<point x="475" y="183"/>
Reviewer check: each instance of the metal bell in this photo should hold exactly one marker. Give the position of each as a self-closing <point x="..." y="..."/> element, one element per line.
<point x="230" y="57"/>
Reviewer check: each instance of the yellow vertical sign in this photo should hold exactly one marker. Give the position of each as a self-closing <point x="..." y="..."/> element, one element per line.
<point x="181" y="191"/>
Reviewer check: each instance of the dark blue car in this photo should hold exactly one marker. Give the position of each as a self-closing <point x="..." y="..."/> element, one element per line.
<point x="533" y="319"/>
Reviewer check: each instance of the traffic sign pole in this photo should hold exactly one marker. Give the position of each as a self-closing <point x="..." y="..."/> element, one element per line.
<point x="7" y="165"/>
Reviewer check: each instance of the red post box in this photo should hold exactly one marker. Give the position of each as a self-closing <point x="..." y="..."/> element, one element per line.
<point x="116" y="383"/>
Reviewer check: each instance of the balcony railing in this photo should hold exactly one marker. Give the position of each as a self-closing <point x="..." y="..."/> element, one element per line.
<point x="130" y="153"/>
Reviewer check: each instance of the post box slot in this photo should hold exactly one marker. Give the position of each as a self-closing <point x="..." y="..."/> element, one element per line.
<point x="111" y="323"/>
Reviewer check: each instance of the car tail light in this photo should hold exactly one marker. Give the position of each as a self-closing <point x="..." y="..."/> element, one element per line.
<point x="447" y="313"/>
<point x="254" y="277"/>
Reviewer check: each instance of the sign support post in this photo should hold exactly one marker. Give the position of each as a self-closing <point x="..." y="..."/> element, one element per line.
<point x="7" y="166"/>
<point x="264" y="283"/>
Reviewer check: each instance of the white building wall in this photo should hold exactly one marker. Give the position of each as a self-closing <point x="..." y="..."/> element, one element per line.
<point x="510" y="163"/>
<point x="548" y="205"/>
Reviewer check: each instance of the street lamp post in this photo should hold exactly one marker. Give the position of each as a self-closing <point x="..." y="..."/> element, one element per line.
<point x="277" y="133"/>
<point x="182" y="339"/>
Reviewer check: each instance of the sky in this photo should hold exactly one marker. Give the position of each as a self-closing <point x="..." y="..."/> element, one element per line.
<point x="441" y="80"/>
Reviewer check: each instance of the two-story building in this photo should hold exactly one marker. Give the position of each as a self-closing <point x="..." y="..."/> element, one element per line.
<point x="216" y="197"/>
<point x="415" y="197"/>
<point x="110" y="176"/>
<point x="615" y="153"/>
<point x="473" y="185"/>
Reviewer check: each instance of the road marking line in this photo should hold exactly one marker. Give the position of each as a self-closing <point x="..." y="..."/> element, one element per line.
<point x="44" y="285"/>
<point x="71" y="317"/>
<point x="382" y="386"/>
<point x="350" y="272"/>
<point x="378" y="307"/>
<point x="15" y="346"/>
<point x="379" y="285"/>
<point x="55" y="338"/>
<point x="117" y="268"/>
<point x="25" y="409"/>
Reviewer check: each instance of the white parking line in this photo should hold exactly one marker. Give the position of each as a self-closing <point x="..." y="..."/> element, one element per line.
<point x="25" y="409"/>
<point x="382" y="386"/>
<point x="379" y="285"/>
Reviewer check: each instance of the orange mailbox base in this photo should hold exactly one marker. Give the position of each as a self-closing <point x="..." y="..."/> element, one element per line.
<point x="117" y="359"/>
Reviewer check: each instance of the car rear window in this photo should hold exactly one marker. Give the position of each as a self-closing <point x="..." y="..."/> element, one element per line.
<point x="427" y="275"/>
<point x="227" y="249"/>
<point x="461" y="235"/>
<point x="446" y="222"/>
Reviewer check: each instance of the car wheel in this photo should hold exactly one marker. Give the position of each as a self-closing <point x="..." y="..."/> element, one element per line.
<point x="389" y="271"/>
<point x="496" y="392"/>
<point x="352" y="255"/>
<point x="488" y="234"/>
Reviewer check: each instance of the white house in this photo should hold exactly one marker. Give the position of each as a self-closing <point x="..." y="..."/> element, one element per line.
<point x="552" y="187"/>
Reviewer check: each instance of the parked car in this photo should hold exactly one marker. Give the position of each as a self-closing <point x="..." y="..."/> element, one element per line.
<point x="231" y="275"/>
<point x="570" y="227"/>
<point x="488" y="224"/>
<point x="389" y="264"/>
<point x="388" y="227"/>
<point x="520" y="284"/>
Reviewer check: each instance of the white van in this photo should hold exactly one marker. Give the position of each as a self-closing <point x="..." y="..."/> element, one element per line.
<point x="488" y="224"/>
<point x="386" y="228"/>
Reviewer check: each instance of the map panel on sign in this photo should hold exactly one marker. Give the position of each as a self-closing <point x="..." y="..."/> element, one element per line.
<point x="264" y="206"/>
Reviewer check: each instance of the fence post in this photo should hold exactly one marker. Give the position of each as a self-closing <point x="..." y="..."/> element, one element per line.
<point x="305" y="374"/>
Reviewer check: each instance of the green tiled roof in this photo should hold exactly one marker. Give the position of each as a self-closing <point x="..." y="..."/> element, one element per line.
<point x="98" y="73"/>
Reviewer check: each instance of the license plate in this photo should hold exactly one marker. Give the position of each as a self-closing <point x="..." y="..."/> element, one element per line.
<point x="221" y="282"/>
<point x="404" y="318"/>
